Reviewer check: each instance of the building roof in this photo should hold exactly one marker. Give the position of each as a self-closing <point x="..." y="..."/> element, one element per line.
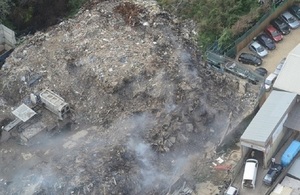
<point x="293" y="122"/>
<point x="282" y="190"/>
<point x="294" y="170"/>
<point x="268" y="117"/>
<point x="291" y="183"/>
<point x="23" y="112"/>
<point x="288" y="79"/>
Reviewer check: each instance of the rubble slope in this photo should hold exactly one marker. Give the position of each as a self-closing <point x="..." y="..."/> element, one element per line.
<point x="143" y="102"/>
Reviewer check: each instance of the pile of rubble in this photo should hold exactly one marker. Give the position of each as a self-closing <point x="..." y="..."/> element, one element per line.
<point x="139" y="90"/>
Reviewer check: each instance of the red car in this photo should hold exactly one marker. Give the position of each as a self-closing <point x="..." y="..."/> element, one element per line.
<point x="273" y="33"/>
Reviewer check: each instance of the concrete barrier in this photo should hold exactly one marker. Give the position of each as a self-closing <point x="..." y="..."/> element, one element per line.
<point x="7" y="38"/>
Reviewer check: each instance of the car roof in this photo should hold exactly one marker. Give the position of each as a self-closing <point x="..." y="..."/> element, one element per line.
<point x="271" y="28"/>
<point x="231" y="190"/>
<point x="295" y="7"/>
<point x="287" y="14"/>
<point x="271" y="76"/>
<point x="278" y="21"/>
<point x="261" y="68"/>
<point x="263" y="36"/>
<point x="248" y="55"/>
<point x="255" y="44"/>
<point x="270" y="171"/>
<point x="276" y="166"/>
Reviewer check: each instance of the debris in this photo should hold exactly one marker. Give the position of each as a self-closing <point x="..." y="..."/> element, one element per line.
<point x="223" y="167"/>
<point x="26" y="156"/>
<point x="158" y="93"/>
<point x="114" y="180"/>
<point x="220" y="160"/>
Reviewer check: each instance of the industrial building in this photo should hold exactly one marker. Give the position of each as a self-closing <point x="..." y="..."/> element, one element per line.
<point x="289" y="79"/>
<point x="278" y="118"/>
<point x="267" y="130"/>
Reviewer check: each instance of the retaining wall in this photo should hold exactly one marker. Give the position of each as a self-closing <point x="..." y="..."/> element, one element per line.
<point x="7" y="38"/>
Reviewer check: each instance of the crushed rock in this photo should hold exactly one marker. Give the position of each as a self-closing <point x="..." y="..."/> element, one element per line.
<point x="140" y="93"/>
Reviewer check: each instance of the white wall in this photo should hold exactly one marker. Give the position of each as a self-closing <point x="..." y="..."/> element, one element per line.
<point x="7" y="38"/>
<point x="275" y="141"/>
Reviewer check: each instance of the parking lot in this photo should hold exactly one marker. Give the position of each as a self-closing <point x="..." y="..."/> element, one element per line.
<point x="271" y="61"/>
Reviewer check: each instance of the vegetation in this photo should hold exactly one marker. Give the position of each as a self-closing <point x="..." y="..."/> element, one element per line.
<point x="28" y="16"/>
<point x="4" y="9"/>
<point x="74" y="5"/>
<point x="220" y="20"/>
<point x="217" y="19"/>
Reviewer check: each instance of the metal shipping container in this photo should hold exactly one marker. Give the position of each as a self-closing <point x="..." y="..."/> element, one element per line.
<point x="290" y="153"/>
<point x="54" y="103"/>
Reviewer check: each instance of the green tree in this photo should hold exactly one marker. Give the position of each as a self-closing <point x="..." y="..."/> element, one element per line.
<point x="4" y="9"/>
<point x="214" y="17"/>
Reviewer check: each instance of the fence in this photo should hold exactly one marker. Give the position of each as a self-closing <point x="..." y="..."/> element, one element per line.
<point x="243" y="41"/>
<point x="248" y="36"/>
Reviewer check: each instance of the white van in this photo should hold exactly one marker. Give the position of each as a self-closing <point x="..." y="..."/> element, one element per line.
<point x="250" y="173"/>
<point x="269" y="81"/>
<point x="231" y="190"/>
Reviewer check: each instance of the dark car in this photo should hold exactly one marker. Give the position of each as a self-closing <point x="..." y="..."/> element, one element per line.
<point x="248" y="58"/>
<point x="272" y="174"/>
<point x="266" y="41"/>
<point x="261" y="71"/>
<point x="295" y="10"/>
<point x="274" y="33"/>
<point x="4" y="56"/>
<point x="281" y="26"/>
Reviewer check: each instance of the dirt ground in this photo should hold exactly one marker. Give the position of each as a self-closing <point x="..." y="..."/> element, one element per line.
<point x="146" y="113"/>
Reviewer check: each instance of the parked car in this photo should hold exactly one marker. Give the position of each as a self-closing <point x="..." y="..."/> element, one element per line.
<point x="231" y="190"/>
<point x="290" y="19"/>
<point x="273" y="33"/>
<point x="248" y="58"/>
<point x="270" y="81"/>
<point x="279" y="66"/>
<point x="295" y="10"/>
<point x="250" y="172"/>
<point x="258" y="49"/>
<point x="272" y="174"/>
<point x="266" y="41"/>
<point x="281" y="26"/>
<point x="261" y="71"/>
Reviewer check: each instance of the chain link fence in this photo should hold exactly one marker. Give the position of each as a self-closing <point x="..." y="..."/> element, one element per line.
<point x="242" y="41"/>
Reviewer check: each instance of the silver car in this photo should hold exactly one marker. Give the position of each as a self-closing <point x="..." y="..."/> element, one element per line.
<point x="258" y="49"/>
<point x="290" y="20"/>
